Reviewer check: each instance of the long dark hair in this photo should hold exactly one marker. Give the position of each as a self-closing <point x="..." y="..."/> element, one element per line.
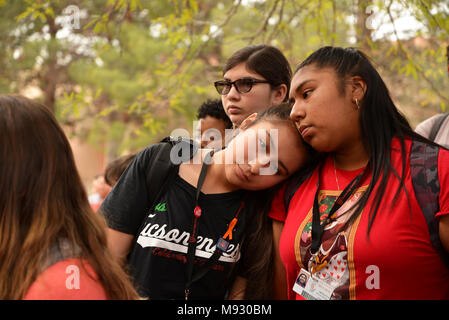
<point x="265" y="60"/>
<point x="43" y="201"/>
<point x="380" y="120"/>
<point x="258" y="247"/>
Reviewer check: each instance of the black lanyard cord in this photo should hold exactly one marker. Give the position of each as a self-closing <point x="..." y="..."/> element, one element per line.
<point x="317" y="226"/>
<point x="222" y="244"/>
<point x="191" y="248"/>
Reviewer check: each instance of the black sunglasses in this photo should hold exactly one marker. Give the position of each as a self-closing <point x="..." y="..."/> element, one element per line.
<point x="241" y="85"/>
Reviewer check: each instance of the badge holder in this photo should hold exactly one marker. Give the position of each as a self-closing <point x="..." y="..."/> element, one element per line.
<point x="311" y="287"/>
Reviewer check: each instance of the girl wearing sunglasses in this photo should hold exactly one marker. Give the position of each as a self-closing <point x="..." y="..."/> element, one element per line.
<point x="254" y="79"/>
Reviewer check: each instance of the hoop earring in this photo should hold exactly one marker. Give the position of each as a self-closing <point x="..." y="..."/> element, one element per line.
<point x="357" y="104"/>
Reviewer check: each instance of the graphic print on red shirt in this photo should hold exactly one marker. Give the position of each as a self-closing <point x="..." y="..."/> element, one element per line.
<point x="332" y="257"/>
<point x="395" y="261"/>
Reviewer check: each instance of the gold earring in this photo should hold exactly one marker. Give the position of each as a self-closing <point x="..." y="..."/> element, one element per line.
<point x="357" y="103"/>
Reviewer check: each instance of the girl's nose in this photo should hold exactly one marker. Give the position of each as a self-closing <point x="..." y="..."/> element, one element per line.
<point x="258" y="163"/>
<point x="297" y="113"/>
<point x="233" y="94"/>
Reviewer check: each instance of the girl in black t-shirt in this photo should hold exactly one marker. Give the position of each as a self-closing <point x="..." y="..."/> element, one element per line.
<point x="156" y="240"/>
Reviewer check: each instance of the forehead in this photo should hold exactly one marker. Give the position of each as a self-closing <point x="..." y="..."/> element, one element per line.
<point x="210" y="122"/>
<point x="281" y="133"/>
<point x="285" y="143"/>
<point x="311" y="73"/>
<point x="240" y="71"/>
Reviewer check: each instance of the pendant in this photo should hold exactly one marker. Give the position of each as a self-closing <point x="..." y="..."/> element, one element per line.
<point x="197" y="212"/>
<point x="222" y="244"/>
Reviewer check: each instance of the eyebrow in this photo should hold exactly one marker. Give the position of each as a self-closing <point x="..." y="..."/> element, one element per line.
<point x="280" y="163"/>
<point x="299" y="88"/>
<point x="242" y="78"/>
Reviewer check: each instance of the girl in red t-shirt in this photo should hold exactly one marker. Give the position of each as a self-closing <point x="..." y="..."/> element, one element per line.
<point x="355" y="223"/>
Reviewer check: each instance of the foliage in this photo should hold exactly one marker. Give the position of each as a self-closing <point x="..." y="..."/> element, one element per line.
<point x="134" y="70"/>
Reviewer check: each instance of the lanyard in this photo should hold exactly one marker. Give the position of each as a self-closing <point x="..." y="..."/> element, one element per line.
<point x="222" y="243"/>
<point x="317" y="226"/>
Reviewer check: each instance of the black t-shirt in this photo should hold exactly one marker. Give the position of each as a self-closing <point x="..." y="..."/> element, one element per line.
<point x="158" y="259"/>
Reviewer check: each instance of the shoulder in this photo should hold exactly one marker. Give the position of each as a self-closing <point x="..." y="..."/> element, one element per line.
<point x="443" y="166"/>
<point x="298" y="183"/>
<point x="189" y="169"/>
<point x="277" y="211"/>
<point x="70" y="279"/>
<point x="425" y="127"/>
<point x="197" y="158"/>
<point x="145" y="155"/>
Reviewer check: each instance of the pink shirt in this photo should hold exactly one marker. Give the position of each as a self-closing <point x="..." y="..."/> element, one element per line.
<point x="67" y="280"/>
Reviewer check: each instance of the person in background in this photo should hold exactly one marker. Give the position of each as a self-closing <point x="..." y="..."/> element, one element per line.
<point x="52" y="245"/>
<point x="100" y="190"/>
<point x="436" y="128"/>
<point x="115" y="169"/>
<point x="212" y="124"/>
<point x="254" y="78"/>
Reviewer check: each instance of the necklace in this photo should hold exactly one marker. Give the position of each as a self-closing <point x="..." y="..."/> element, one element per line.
<point x="335" y="172"/>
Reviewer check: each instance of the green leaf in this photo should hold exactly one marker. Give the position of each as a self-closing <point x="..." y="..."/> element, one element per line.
<point x="25" y="14"/>
<point x="49" y="11"/>
<point x="100" y="27"/>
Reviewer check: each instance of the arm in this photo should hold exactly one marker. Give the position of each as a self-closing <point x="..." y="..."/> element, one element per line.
<point x="238" y="289"/>
<point x="443" y="215"/>
<point x="444" y="231"/>
<point x="280" y="276"/>
<point x="126" y="207"/>
<point x="119" y="244"/>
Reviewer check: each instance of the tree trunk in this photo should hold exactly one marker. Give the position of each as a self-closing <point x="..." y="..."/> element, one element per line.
<point x="51" y="75"/>
<point x="363" y="34"/>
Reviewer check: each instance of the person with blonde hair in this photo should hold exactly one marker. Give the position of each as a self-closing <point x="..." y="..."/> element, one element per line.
<point x="52" y="245"/>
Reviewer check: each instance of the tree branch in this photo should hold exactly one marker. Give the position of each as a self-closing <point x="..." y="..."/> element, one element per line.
<point x="276" y="28"/>
<point x="263" y="28"/>
<point x="406" y="55"/>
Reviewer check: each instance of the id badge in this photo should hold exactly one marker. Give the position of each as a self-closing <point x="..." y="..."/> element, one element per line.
<point x="312" y="288"/>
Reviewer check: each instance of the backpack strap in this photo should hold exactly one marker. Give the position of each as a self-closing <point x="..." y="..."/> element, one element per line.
<point x="424" y="174"/>
<point x="158" y="171"/>
<point x="164" y="164"/>
<point x="437" y="125"/>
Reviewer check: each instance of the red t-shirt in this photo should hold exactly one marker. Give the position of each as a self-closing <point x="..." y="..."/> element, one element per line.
<point x="396" y="261"/>
<point x="67" y="280"/>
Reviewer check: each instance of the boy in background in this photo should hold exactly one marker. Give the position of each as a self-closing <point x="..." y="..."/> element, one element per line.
<point x="212" y="124"/>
